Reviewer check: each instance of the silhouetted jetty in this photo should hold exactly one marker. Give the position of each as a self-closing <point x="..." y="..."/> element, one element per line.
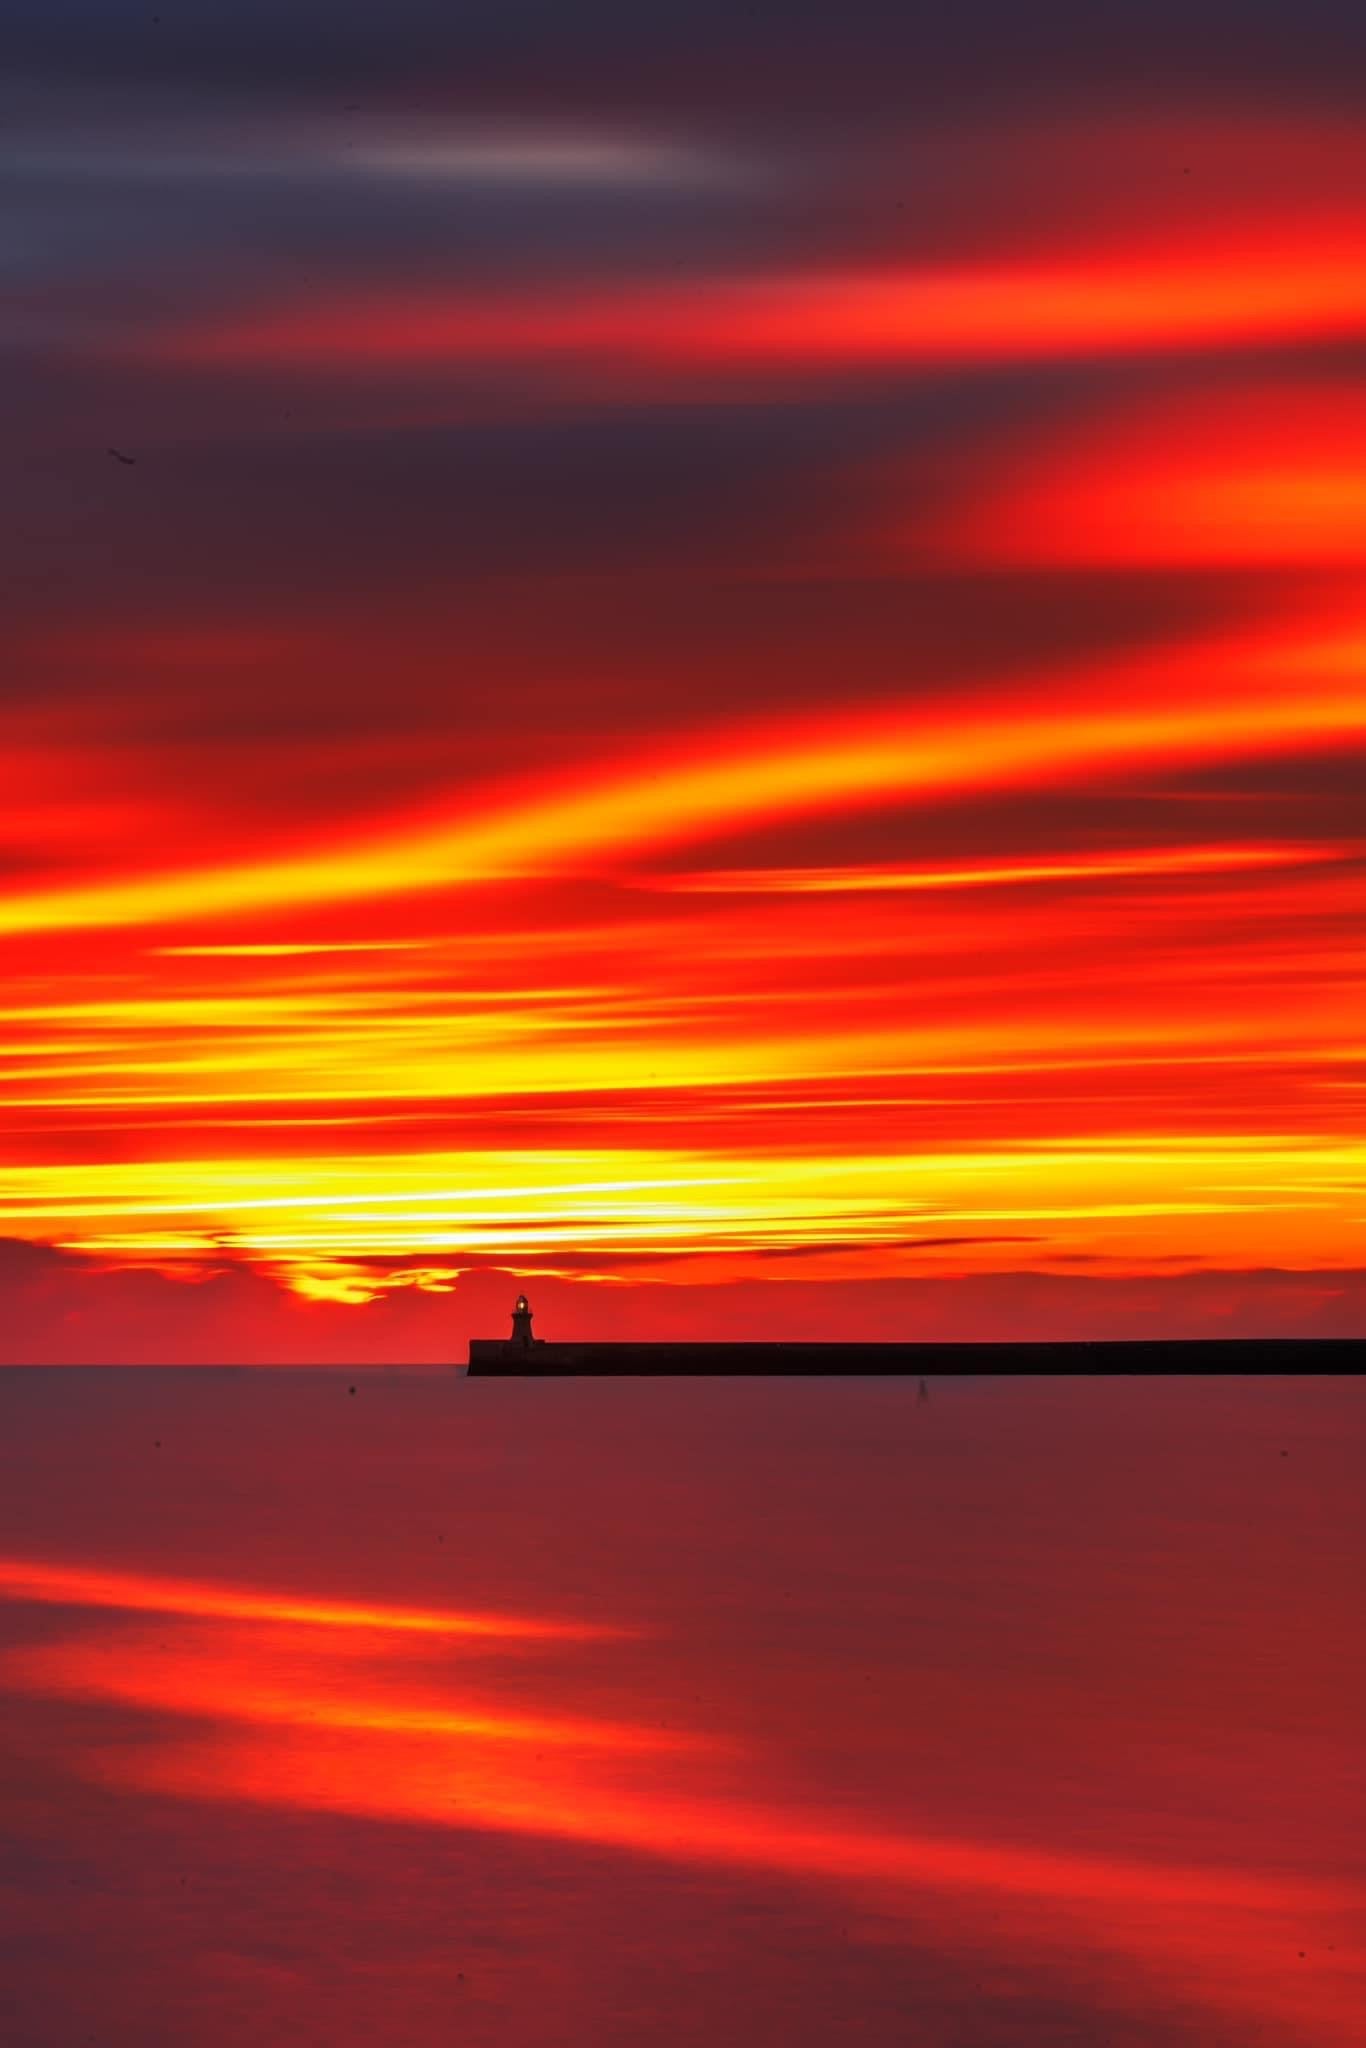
<point x="522" y="1355"/>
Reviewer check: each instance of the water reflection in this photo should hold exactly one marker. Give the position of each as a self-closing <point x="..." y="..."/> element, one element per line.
<point x="967" y="1782"/>
<point x="68" y="1586"/>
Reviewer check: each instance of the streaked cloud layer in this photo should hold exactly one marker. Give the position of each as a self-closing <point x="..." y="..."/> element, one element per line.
<point x="682" y="687"/>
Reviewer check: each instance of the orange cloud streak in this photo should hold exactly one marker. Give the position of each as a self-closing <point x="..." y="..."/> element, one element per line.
<point x="1308" y="284"/>
<point x="1242" y="698"/>
<point x="1268" y="474"/>
<point x="1169" y="860"/>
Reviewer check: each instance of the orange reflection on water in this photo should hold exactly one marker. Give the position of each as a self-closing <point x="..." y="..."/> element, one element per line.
<point x="1218" y="1937"/>
<point x="74" y="1586"/>
<point x="478" y="1786"/>
<point x="215" y="1681"/>
<point x="309" y="1721"/>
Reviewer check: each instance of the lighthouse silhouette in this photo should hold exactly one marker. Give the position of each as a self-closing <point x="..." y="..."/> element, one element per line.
<point x="522" y="1339"/>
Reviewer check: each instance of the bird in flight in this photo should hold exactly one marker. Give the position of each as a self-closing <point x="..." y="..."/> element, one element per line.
<point x="127" y="460"/>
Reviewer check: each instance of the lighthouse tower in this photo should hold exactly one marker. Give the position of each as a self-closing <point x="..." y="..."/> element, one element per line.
<point x="522" y="1339"/>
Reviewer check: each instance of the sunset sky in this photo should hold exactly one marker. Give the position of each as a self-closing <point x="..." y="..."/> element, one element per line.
<point x="707" y="663"/>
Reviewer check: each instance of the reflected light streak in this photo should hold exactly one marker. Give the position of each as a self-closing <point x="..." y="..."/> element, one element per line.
<point x="75" y="1586"/>
<point x="205" y="1685"/>
<point x="1219" y="1934"/>
<point x="365" y="1781"/>
<point x="396" y="1754"/>
<point x="398" y="1760"/>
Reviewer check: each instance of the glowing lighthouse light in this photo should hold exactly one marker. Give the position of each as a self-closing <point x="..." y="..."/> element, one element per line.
<point x="521" y="1324"/>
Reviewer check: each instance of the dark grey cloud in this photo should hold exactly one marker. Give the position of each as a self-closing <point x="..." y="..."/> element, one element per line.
<point x="797" y="54"/>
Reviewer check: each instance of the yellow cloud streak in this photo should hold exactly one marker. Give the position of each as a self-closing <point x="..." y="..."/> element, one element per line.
<point x="872" y="1201"/>
<point x="1181" y="860"/>
<point x="1255" y="699"/>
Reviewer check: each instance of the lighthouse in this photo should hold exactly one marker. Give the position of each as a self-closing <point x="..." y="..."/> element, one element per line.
<point x="522" y="1339"/>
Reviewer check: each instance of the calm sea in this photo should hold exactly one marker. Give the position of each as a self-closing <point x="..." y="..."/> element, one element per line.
<point x="397" y="1709"/>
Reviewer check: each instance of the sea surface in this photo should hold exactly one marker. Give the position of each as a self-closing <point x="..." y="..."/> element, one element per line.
<point x="400" y="1709"/>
